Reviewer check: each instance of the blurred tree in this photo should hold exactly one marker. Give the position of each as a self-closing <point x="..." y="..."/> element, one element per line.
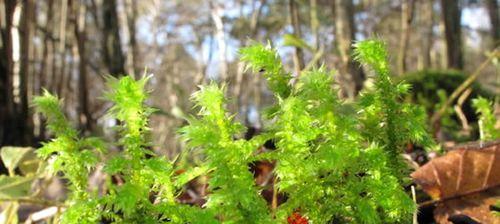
<point x="112" y="50"/>
<point x="298" y="57"/>
<point x="42" y="81"/>
<point x="25" y="122"/>
<point x="85" y="120"/>
<point x="133" y="53"/>
<point x="60" y="60"/>
<point x="314" y="22"/>
<point x="451" y="14"/>
<point x="345" y="33"/>
<point x="6" y="74"/>
<point x="407" y="14"/>
<point x="492" y="7"/>
<point x="216" y="11"/>
<point x="425" y="16"/>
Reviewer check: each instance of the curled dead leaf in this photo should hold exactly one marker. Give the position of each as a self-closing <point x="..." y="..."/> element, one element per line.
<point x="464" y="183"/>
<point x="461" y="171"/>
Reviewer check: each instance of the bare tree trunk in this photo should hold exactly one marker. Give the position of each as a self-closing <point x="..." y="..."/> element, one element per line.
<point x="216" y="12"/>
<point x="6" y="73"/>
<point x="314" y="23"/>
<point x="25" y="122"/>
<point x="407" y="8"/>
<point x="45" y="46"/>
<point x="298" y="57"/>
<point x="426" y="34"/>
<point x="61" y="49"/>
<point x="42" y="75"/>
<point x="201" y="64"/>
<point x="113" y="54"/>
<point x="134" y="48"/>
<point x="451" y="14"/>
<point x="345" y="30"/>
<point x="84" y="115"/>
<point x="237" y="91"/>
<point x="53" y="69"/>
<point x="492" y="6"/>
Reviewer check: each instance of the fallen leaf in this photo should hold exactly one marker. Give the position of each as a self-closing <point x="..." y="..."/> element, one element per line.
<point x="465" y="183"/>
<point x="474" y="207"/>
<point x="461" y="171"/>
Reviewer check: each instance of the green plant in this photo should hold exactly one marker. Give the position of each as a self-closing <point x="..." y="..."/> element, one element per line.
<point x="487" y="119"/>
<point x="332" y="164"/>
<point x="487" y="129"/>
<point x="233" y="196"/>
<point x="148" y="192"/>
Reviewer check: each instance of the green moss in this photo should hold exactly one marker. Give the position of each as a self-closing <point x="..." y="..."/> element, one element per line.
<point x="332" y="163"/>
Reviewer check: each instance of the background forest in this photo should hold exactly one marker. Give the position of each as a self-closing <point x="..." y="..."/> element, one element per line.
<point x="99" y="56"/>
<point x="67" y="46"/>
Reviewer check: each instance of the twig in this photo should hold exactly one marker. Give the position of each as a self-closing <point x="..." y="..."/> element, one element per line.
<point x="317" y="56"/>
<point x="434" y="201"/>
<point x="43" y="214"/>
<point x="274" y="203"/>
<point x="36" y="201"/>
<point x="463" y="87"/>
<point x="459" y="111"/>
<point x="414" y="196"/>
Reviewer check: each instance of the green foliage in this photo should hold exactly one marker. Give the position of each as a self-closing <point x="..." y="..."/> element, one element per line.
<point x="487" y="119"/>
<point x="385" y="119"/>
<point x="323" y="163"/>
<point x="68" y="153"/>
<point x="332" y="164"/>
<point x="234" y="197"/>
<point x="264" y="59"/>
<point x="144" y="178"/>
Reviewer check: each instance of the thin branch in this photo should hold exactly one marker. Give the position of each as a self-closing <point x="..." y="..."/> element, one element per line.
<point x="437" y="116"/>
<point x="36" y="201"/>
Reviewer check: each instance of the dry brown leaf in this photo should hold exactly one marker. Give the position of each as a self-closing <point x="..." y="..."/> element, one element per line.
<point x="475" y="207"/>
<point x="461" y="171"/>
<point x="465" y="182"/>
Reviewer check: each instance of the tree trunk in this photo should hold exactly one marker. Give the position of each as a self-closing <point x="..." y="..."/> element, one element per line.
<point x="133" y="52"/>
<point x="345" y="30"/>
<point x="492" y="6"/>
<point x="426" y="34"/>
<point x="45" y="47"/>
<point x="24" y="121"/>
<point x="113" y="54"/>
<point x="407" y="7"/>
<point x="314" y="23"/>
<point x="451" y="14"/>
<point x="216" y="13"/>
<point x="61" y="50"/>
<point x="6" y="73"/>
<point x="84" y="115"/>
<point x="240" y="70"/>
<point x="42" y="75"/>
<point x="298" y="57"/>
